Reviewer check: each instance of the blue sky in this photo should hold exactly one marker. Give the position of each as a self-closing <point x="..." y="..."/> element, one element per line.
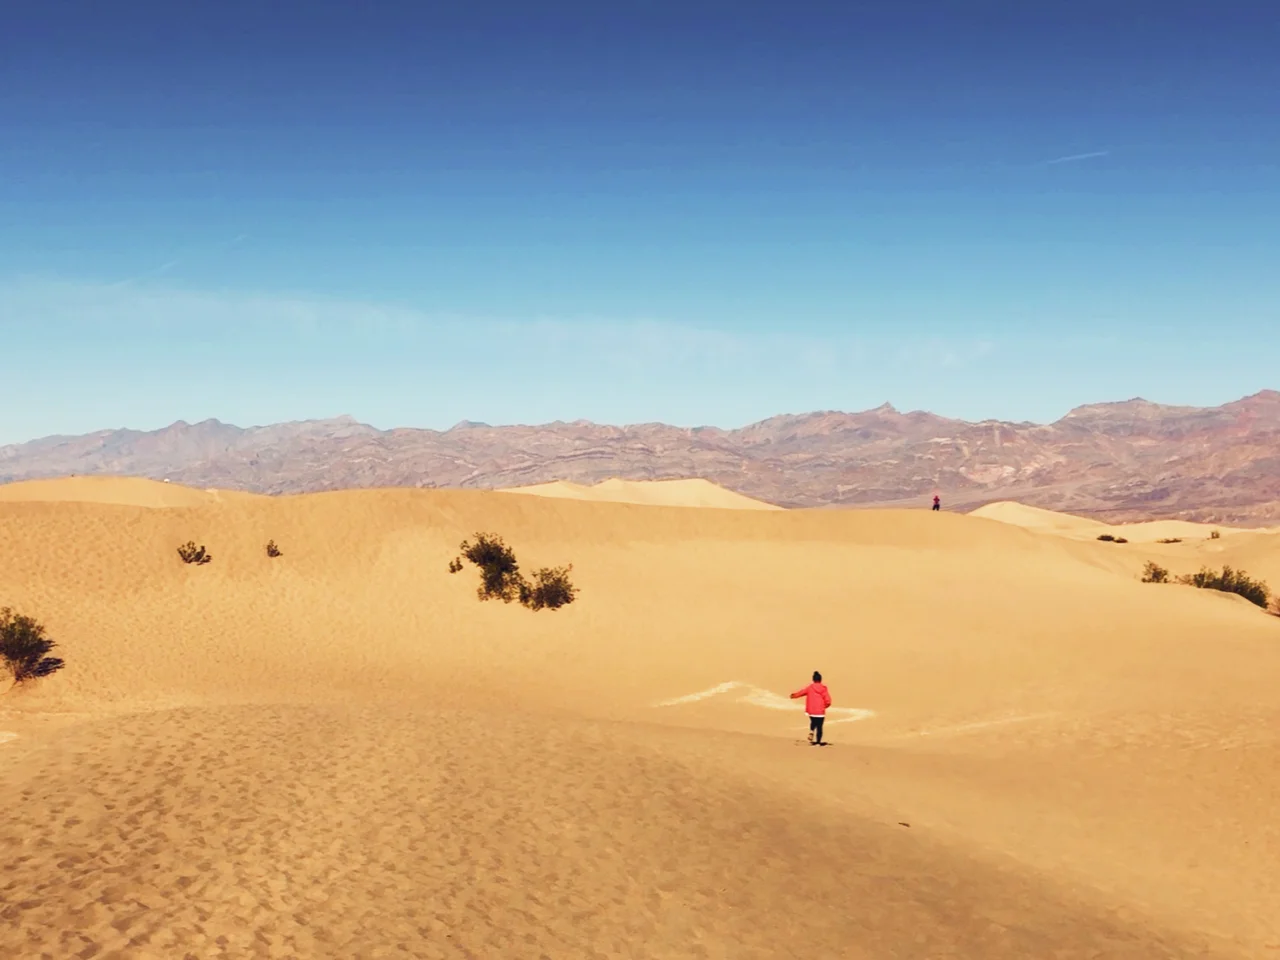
<point x="694" y="212"/>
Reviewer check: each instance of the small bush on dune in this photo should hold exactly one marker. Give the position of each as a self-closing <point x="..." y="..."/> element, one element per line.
<point x="1154" y="573"/>
<point x="1215" y="535"/>
<point x="1170" y="540"/>
<point x="550" y="588"/>
<point x="272" y="549"/>
<point x="500" y="577"/>
<point x="1107" y="537"/>
<point x="499" y="572"/>
<point x="190" y="553"/>
<point x="1230" y="580"/>
<point x="25" y="648"/>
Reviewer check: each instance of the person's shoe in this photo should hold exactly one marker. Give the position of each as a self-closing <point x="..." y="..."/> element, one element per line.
<point x="811" y="736"/>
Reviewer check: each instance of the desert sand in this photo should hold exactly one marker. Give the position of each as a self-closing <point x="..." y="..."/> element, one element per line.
<point x="126" y="491"/>
<point x="1083" y="528"/>
<point x="658" y="493"/>
<point x="341" y="752"/>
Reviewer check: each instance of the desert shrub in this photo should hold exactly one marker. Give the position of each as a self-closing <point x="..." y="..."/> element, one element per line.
<point x="1107" y="537"/>
<point x="1154" y="573"/>
<point x="272" y="549"/>
<point x="1215" y="534"/>
<point x="500" y="577"/>
<point x="1121" y="540"/>
<point x="190" y="553"/>
<point x="1170" y="540"/>
<point x="499" y="572"/>
<point x="1230" y="580"/>
<point x="25" y="648"/>
<point x="550" y="588"/>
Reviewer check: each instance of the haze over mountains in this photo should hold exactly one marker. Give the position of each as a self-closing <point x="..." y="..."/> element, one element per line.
<point x="1130" y="460"/>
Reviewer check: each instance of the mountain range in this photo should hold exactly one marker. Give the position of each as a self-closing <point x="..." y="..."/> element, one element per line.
<point x="1130" y="460"/>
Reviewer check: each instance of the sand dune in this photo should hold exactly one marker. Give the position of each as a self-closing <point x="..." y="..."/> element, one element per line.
<point x="1186" y="546"/>
<point x="665" y="493"/>
<point x="130" y="491"/>
<point x="1068" y="525"/>
<point x="341" y="752"/>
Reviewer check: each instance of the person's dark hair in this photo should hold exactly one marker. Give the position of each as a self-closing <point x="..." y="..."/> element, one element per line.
<point x="817" y="677"/>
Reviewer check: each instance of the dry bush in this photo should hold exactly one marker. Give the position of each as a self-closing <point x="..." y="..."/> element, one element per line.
<point x="499" y="572"/>
<point x="550" y="588"/>
<point x="500" y="577"/>
<point x="272" y="549"/>
<point x="1154" y="573"/>
<point x="190" y="553"/>
<point x="24" y="648"/>
<point x="1230" y="580"/>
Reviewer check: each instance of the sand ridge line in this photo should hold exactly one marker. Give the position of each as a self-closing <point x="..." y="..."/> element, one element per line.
<point x="760" y="697"/>
<point x="7" y="735"/>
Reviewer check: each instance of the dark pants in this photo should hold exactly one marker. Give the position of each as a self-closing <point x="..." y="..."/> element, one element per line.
<point x="815" y="724"/>
<point x="937" y="506"/>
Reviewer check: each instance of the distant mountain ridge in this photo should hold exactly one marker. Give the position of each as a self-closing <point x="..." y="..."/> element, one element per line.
<point x="1130" y="460"/>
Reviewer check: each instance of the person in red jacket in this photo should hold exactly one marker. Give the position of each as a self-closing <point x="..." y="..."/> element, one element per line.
<point x="816" y="700"/>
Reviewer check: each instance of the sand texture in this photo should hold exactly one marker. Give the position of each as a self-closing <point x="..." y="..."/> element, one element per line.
<point x="1082" y="528"/>
<point x="657" y="493"/>
<point x="341" y="752"/>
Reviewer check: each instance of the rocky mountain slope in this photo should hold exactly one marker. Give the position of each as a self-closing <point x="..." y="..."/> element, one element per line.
<point x="1116" y="461"/>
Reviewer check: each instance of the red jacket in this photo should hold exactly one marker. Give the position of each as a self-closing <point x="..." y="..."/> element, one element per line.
<point x="816" y="699"/>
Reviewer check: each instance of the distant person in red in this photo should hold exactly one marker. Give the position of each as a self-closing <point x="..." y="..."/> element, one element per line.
<point x="816" y="700"/>
<point x="937" y="502"/>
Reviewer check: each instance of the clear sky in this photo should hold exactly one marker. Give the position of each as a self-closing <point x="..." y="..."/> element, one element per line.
<point x="694" y="212"/>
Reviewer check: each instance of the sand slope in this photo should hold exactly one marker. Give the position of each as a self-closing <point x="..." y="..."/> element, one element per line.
<point x="130" y="491"/>
<point x="1186" y="547"/>
<point x="341" y="752"/>
<point x="1066" y="524"/>
<point x="666" y="493"/>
